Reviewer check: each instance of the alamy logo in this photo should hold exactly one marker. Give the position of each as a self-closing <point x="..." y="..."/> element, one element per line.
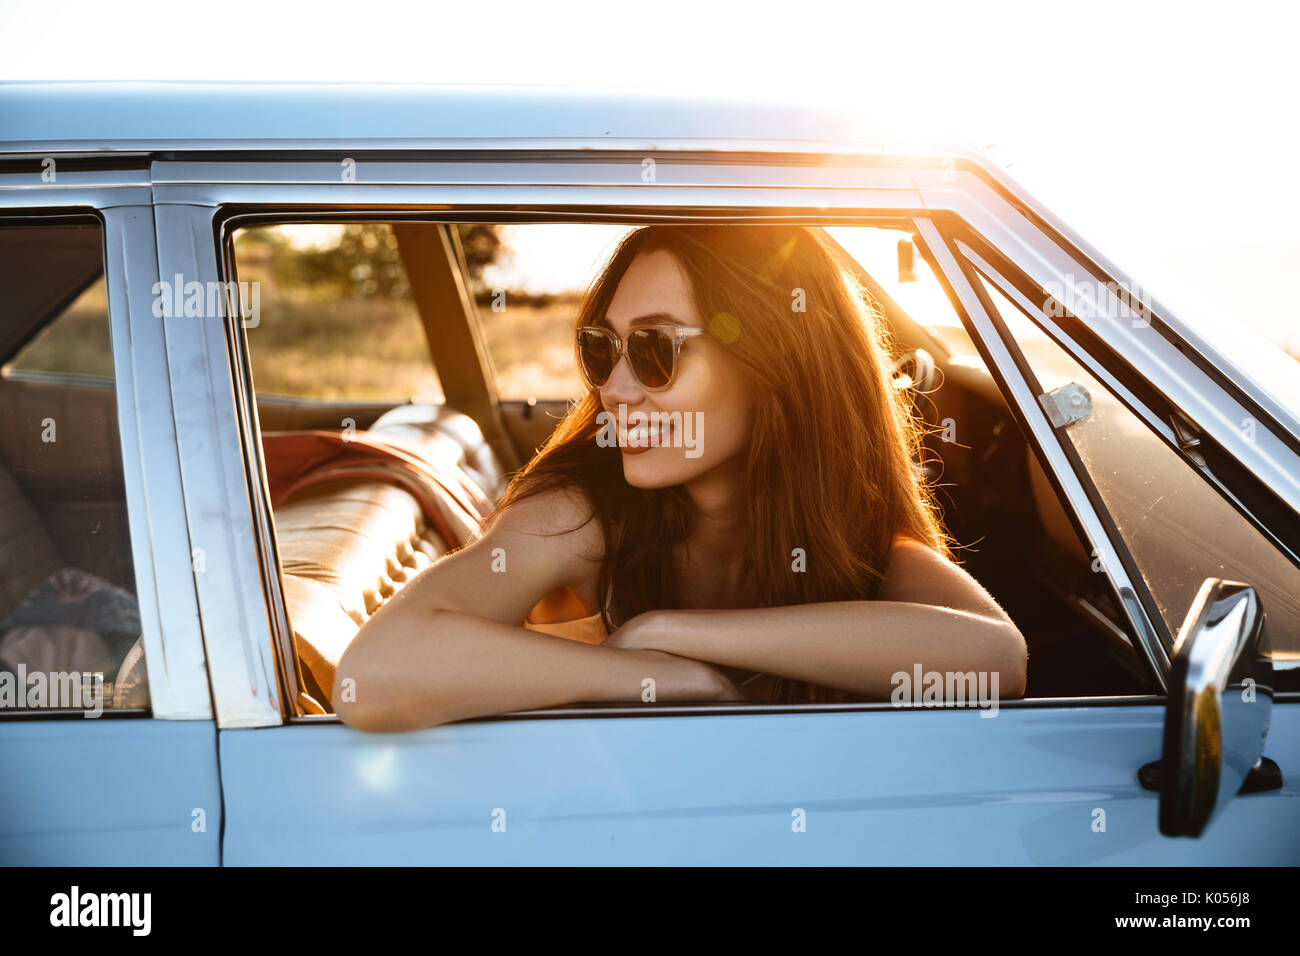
<point x="946" y="689"/>
<point x="102" y="909"/>
<point x="203" y="300"/>
<point x="67" y="690"/>
<point x="1087" y="298"/>
<point x="651" y="430"/>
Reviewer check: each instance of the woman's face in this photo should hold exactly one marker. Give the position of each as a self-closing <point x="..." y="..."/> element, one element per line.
<point x="702" y="420"/>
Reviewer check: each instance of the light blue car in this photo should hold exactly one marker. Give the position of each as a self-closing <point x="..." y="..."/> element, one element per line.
<point x="1137" y="492"/>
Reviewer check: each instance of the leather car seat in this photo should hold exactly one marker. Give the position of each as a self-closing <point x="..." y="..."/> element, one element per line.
<point x="446" y="436"/>
<point x="346" y="547"/>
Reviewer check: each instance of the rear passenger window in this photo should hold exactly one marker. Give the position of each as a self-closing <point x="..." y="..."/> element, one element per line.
<point x="69" y="622"/>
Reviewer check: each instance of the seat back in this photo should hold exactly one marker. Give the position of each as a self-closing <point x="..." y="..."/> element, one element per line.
<point x="445" y="436"/>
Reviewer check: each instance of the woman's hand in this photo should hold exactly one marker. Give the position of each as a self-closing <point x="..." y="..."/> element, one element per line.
<point x="650" y="632"/>
<point x="668" y="677"/>
<point x="638" y="634"/>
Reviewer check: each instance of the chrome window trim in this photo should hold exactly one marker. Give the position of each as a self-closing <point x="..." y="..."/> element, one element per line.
<point x="508" y="196"/>
<point x="603" y="178"/>
<point x="1209" y="398"/>
<point x="996" y="345"/>
<point x="174" y="659"/>
<point x="1103" y="374"/>
<point x="263" y="520"/>
<point x="1044" y="219"/>
<point x="606" y="168"/>
<point x="206" y="149"/>
<point x="733" y="709"/>
<point x="71" y="179"/>
<point x="174" y="654"/>
<point x="232" y="598"/>
<point x="58" y="713"/>
<point x="67" y="197"/>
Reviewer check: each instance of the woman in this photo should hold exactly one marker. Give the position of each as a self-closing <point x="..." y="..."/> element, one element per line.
<point x="730" y="513"/>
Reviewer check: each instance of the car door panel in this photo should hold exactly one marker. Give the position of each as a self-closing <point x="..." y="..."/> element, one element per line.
<point x="1041" y="783"/>
<point x="109" y="792"/>
<point x="942" y="786"/>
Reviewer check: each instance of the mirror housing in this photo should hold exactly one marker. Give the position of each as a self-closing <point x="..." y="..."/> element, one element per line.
<point x="1220" y="704"/>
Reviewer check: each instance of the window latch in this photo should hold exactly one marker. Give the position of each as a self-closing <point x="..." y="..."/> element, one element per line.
<point x="1066" y="405"/>
<point x="1188" y="438"/>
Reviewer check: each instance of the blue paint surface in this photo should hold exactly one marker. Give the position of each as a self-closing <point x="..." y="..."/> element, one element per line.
<point x="883" y="787"/>
<point x="108" y="791"/>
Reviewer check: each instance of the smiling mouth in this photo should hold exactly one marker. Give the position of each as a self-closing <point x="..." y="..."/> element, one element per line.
<point x="639" y="439"/>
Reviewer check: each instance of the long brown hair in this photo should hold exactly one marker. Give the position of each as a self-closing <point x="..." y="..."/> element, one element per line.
<point x="830" y="459"/>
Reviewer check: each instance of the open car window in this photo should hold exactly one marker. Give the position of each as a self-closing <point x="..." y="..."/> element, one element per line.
<point x="349" y="537"/>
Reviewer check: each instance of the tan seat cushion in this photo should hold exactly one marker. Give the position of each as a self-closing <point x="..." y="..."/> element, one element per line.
<point x="345" y="548"/>
<point x="447" y="437"/>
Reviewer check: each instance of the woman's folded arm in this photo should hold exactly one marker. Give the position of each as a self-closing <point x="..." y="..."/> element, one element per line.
<point x="450" y="644"/>
<point x="930" y="613"/>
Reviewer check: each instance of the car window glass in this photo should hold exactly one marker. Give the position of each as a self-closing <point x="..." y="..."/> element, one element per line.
<point x="76" y="343"/>
<point x="69" y="621"/>
<point x="1177" y="527"/>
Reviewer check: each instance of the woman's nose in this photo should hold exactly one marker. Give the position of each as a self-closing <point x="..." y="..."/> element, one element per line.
<point x="622" y="386"/>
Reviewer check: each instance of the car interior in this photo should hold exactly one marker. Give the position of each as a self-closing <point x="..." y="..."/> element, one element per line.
<point x="346" y="546"/>
<point x="997" y="501"/>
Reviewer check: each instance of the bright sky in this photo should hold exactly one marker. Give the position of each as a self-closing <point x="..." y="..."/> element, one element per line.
<point x="1164" y="133"/>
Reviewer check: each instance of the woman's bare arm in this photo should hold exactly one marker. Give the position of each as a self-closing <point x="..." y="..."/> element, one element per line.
<point x="449" y="645"/>
<point x="931" y="613"/>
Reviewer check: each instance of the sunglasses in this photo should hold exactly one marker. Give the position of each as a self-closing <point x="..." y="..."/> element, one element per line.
<point x="652" y="353"/>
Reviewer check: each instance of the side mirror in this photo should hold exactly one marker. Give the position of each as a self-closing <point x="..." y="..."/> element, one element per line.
<point x="1220" y="704"/>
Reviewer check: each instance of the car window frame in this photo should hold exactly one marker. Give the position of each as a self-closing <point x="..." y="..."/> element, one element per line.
<point x="1148" y="399"/>
<point x="1143" y="400"/>
<point x="197" y="202"/>
<point x="116" y="199"/>
<point x="982" y="209"/>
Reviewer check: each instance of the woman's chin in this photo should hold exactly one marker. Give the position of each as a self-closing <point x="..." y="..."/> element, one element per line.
<point x="650" y="470"/>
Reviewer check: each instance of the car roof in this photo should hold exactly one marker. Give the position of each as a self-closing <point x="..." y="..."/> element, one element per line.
<point x="104" y="117"/>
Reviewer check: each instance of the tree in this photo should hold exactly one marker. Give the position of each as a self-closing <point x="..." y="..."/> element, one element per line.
<point x="482" y="245"/>
<point x="365" y="262"/>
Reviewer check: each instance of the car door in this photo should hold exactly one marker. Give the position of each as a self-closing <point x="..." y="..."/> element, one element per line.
<point x="107" y="742"/>
<point x="1039" y="781"/>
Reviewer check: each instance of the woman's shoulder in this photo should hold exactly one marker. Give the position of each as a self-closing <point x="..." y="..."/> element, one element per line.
<point x="565" y="515"/>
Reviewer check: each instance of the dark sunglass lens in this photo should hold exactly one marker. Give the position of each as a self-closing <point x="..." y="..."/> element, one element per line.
<point x="596" y="352"/>
<point x="650" y="351"/>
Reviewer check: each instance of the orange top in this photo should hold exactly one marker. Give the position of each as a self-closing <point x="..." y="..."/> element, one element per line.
<point x="561" y="613"/>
